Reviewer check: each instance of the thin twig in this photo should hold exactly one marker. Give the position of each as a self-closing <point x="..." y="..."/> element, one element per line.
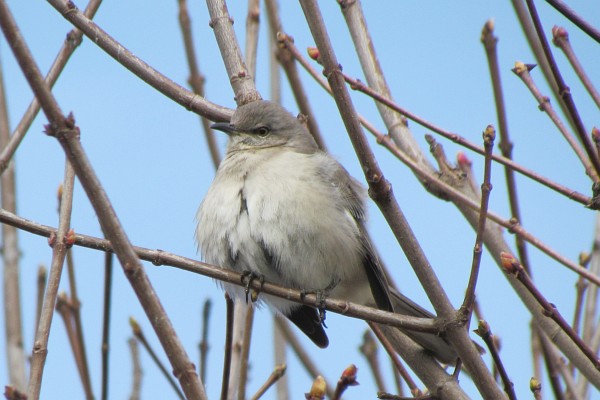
<point x="277" y="373"/>
<point x="412" y="386"/>
<point x="65" y="310"/>
<point x="347" y="379"/>
<point x="488" y="140"/>
<point x="75" y="305"/>
<point x="15" y="352"/>
<point x="245" y="353"/>
<point x="72" y="41"/>
<point x="161" y="257"/>
<point x="565" y="10"/>
<point x="60" y="244"/>
<point x="241" y="80"/>
<point x="580" y="288"/>
<point x="484" y="331"/>
<point x="228" y="347"/>
<point x="252" y="25"/>
<point x="512" y="266"/>
<point x="108" y="273"/>
<point x="522" y="71"/>
<point x="551" y="365"/>
<point x="355" y="84"/>
<point x="141" y="338"/>
<point x="380" y="191"/>
<point x="290" y="68"/>
<point x="141" y="69"/>
<point x="42" y="278"/>
<point x="204" y="342"/>
<point x="560" y="38"/>
<point x="490" y="44"/>
<point x="302" y="355"/>
<point x="67" y="134"/>
<point x="565" y="94"/>
<point x="196" y="79"/>
<point x="136" y="382"/>
<point x="369" y="349"/>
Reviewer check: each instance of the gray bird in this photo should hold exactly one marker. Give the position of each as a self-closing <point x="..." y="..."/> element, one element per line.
<point x="283" y="210"/>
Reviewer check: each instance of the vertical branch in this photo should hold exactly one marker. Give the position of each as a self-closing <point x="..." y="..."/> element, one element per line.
<point x="73" y="40"/>
<point x="239" y="77"/>
<point x="204" y="341"/>
<point x="136" y="382"/>
<point x="228" y="345"/>
<point x="108" y="273"/>
<point x="42" y="277"/>
<point x="196" y="79"/>
<point x="75" y="305"/>
<point x="565" y="93"/>
<point x="488" y="142"/>
<point x="245" y="353"/>
<point x="490" y="44"/>
<point x="290" y="68"/>
<point x="252" y="25"/>
<point x="59" y="248"/>
<point x="67" y="134"/>
<point x="560" y="38"/>
<point x="15" y="353"/>
<point x="363" y="43"/>
<point x="380" y="191"/>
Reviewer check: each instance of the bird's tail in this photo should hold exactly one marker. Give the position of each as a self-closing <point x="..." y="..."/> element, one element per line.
<point x="431" y="342"/>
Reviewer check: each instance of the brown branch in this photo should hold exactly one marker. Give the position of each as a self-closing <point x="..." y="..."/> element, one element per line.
<point x="228" y="347"/>
<point x="60" y="244"/>
<point x="565" y="10"/>
<point x="161" y="257"/>
<point x="369" y="349"/>
<point x="240" y="79"/>
<point x="483" y="330"/>
<point x="455" y="138"/>
<point x="347" y="379"/>
<point x="108" y="274"/>
<point x="75" y="305"/>
<point x="42" y="278"/>
<point x="252" y="25"/>
<point x="287" y="62"/>
<point x="72" y="41"/>
<point x="204" y="342"/>
<point x="490" y="44"/>
<point x="141" y="338"/>
<point x="560" y="38"/>
<point x="488" y="139"/>
<point x="15" y="352"/>
<point x="522" y="71"/>
<point x="512" y="266"/>
<point x="64" y="130"/>
<point x="136" y="382"/>
<point x="65" y="309"/>
<point x="414" y="389"/>
<point x="196" y="79"/>
<point x="277" y="373"/>
<point x="245" y="353"/>
<point x="302" y="355"/>
<point x="141" y="69"/>
<point x="565" y="94"/>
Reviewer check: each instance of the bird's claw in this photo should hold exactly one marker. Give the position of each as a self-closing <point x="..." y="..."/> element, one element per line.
<point x="247" y="278"/>
<point x="321" y="296"/>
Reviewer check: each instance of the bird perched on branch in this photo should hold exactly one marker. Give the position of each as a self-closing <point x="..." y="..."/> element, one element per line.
<point x="282" y="210"/>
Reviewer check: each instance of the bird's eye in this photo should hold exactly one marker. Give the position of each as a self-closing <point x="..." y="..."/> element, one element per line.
<point x="262" y="131"/>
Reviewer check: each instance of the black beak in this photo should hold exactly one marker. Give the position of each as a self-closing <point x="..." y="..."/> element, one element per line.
<point x="223" y="127"/>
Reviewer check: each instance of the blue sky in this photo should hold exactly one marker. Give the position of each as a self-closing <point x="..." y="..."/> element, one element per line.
<point x="150" y="155"/>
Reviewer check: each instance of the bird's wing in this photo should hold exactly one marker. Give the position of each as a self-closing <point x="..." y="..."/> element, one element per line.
<point x="352" y="200"/>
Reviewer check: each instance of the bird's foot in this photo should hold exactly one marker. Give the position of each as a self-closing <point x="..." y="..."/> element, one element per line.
<point x="321" y="296"/>
<point x="247" y="278"/>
